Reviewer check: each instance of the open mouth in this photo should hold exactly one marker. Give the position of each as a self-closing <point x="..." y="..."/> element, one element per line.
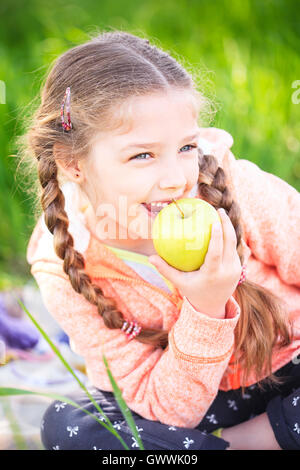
<point x="154" y="208"/>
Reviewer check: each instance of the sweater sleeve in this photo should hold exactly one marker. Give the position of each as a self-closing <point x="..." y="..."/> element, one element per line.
<point x="271" y="211"/>
<point x="175" y="386"/>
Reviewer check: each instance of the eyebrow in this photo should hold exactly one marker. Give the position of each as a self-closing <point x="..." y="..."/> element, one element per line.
<point x="156" y="144"/>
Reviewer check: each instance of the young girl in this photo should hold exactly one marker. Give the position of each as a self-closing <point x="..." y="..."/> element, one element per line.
<point x="116" y="131"/>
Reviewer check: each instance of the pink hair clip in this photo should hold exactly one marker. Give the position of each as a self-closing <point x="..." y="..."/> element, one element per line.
<point x="243" y="275"/>
<point x="133" y="329"/>
<point x="66" y="100"/>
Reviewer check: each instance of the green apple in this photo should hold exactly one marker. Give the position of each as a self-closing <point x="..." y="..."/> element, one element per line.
<point x="181" y="232"/>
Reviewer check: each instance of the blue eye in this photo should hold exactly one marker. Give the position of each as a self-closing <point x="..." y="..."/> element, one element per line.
<point x="192" y="147"/>
<point x="136" y="157"/>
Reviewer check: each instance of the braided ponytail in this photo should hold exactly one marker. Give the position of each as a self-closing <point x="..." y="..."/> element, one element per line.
<point x="56" y="219"/>
<point x="133" y="67"/>
<point x="263" y="323"/>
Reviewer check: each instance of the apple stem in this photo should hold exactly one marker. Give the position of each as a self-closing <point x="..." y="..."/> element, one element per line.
<point x="182" y="214"/>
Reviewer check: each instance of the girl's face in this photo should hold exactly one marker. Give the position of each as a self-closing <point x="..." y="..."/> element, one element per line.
<point x="154" y="159"/>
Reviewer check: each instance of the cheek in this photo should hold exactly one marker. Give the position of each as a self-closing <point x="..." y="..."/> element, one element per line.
<point x="190" y="168"/>
<point x="123" y="208"/>
<point x="194" y="172"/>
<point x="135" y="189"/>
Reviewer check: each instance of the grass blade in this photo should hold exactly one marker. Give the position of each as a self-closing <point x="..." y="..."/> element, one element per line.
<point x="122" y="404"/>
<point x="18" y="438"/>
<point x="69" y="368"/>
<point x="9" y="391"/>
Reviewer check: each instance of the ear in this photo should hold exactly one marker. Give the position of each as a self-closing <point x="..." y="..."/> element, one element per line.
<point x="71" y="168"/>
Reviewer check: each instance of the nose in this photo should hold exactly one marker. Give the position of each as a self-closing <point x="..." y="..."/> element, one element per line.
<point x="172" y="178"/>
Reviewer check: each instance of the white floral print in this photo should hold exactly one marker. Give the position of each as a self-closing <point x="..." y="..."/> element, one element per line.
<point x="212" y="419"/>
<point x="55" y="447"/>
<point x="100" y="417"/>
<point x="117" y="425"/>
<point x="296" y="428"/>
<point x="187" y="442"/>
<point x="135" y="444"/>
<point x="73" y="430"/>
<point x="172" y="428"/>
<point x="232" y="404"/>
<point x="59" y="406"/>
<point x="295" y="401"/>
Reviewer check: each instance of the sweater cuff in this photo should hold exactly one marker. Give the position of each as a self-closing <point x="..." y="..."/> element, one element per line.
<point x="205" y="338"/>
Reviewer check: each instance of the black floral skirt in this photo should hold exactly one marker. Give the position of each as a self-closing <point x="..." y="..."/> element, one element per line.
<point x="68" y="428"/>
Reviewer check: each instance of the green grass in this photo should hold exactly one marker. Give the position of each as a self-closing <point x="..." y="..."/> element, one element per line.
<point x="247" y="50"/>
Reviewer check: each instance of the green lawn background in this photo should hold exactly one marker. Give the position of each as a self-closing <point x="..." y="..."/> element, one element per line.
<point x="246" y="51"/>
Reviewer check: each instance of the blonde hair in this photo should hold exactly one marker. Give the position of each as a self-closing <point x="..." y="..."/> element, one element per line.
<point x="103" y="73"/>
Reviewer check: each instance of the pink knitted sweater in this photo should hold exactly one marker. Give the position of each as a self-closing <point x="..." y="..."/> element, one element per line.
<point x="177" y="385"/>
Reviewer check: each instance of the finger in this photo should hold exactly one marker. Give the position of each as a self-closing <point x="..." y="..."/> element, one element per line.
<point x="165" y="269"/>
<point x="214" y="254"/>
<point x="229" y="237"/>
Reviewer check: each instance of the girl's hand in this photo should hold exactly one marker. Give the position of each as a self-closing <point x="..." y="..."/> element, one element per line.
<point x="209" y="288"/>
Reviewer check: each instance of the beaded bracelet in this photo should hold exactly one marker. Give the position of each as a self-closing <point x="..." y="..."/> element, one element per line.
<point x="243" y="274"/>
<point x="133" y="329"/>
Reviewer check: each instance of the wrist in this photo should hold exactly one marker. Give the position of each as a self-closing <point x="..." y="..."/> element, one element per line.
<point x="218" y="312"/>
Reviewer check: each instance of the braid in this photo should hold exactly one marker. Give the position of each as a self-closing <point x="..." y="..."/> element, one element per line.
<point x="56" y="219"/>
<point x="213" y="189"/>
<point x="263" y="314"/>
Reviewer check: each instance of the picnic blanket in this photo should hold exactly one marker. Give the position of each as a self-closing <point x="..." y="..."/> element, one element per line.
<point x="28" y="362"/>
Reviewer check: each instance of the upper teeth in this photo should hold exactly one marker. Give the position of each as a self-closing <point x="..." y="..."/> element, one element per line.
<point x="159" y="204"/>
